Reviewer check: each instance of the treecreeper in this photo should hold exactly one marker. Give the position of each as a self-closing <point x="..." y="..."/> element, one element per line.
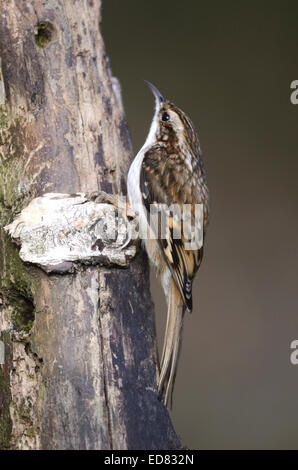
<point x="167" y="189"/>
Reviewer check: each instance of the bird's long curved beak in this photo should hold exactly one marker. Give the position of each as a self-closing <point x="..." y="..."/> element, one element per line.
<point x="158" y="96"/>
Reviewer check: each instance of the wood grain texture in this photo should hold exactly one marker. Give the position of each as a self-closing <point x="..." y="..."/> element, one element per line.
<point x="80" y="369"/>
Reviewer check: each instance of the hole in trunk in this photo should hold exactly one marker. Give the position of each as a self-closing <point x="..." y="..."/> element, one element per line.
<point x="44" y="33"/>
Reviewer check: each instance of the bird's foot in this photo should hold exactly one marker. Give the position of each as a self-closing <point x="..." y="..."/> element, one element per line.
<point x="119" y="202"/>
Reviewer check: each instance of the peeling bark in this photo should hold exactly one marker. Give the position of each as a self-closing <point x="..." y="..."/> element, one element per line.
<point x="80" y="367"/>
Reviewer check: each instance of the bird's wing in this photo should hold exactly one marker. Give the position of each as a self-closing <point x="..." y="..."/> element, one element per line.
<point x="160" y="193"/>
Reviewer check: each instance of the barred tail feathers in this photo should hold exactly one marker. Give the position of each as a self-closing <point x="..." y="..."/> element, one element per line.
<point x="172" y="344"/>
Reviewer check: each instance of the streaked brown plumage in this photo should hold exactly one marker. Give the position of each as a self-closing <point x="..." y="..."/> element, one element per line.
<point x="168" y="172"/>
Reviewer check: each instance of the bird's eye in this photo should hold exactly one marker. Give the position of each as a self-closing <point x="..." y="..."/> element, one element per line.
<point x="165" y="117"/>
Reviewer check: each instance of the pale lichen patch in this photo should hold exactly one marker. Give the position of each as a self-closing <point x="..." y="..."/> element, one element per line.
<point x="56" y="230"/>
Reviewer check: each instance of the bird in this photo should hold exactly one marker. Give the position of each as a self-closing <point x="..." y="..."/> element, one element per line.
<point x="167" y="173"/>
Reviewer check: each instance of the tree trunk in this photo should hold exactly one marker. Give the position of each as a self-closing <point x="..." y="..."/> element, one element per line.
<point x="80" y="349"/>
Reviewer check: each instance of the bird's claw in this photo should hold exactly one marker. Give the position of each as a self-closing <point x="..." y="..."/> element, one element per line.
<point x="119" y="202"/>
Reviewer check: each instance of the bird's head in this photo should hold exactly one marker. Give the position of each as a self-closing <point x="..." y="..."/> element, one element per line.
<point x="171" y="125"/>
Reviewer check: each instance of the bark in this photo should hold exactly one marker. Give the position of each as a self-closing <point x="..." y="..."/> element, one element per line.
<point x="80" y="353"/>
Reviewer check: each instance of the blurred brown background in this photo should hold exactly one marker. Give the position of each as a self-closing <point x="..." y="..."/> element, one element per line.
<point x="229" y="65"/>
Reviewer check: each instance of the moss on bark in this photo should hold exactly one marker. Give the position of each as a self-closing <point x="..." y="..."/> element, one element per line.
<point x="16" y="282"/>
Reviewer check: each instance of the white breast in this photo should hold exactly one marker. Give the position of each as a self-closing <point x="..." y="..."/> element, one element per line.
<point x="134" y="193"/>
<point x="133" y="181"/>
<point x="133" y="178"/>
